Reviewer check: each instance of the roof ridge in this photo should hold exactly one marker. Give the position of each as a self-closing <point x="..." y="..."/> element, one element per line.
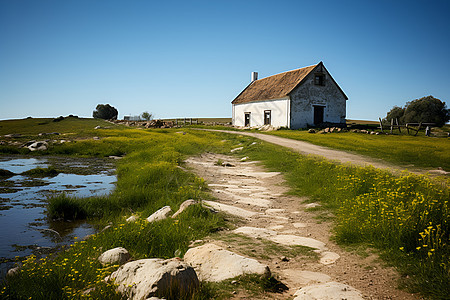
<point x="289" y="71"/>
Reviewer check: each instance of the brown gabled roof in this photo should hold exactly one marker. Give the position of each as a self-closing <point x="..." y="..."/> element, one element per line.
<point x="273" y="87"/>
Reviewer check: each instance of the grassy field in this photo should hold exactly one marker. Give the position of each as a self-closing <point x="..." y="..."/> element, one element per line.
<point x="409" y="151"/>
<point x="407" y="217"/>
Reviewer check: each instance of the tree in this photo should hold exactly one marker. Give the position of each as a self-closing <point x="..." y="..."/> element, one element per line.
<point x="146" y="116"/>
<point x="105" y="111"/>
<point x="395" y="113"/>
<point x="426" y="110"/>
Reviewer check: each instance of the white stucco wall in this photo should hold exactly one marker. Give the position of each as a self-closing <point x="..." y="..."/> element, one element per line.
<point x="307" y="95"/>
<point x="280" y="112"/>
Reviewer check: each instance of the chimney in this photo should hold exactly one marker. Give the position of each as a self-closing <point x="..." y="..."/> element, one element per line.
<point x="254" y="76"/>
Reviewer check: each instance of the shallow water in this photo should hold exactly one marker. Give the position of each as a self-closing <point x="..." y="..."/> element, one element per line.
<point x="24" y="228"/>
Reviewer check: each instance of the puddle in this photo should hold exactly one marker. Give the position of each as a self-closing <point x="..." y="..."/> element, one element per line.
<point x="23" y="203"/>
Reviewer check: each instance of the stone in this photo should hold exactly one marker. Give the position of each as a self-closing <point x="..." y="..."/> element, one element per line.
<point x="183" y="206"/>
<point x="311" y="131"/>
<point x="232" y="210"/>
<point x="213" y="263"/>
<point x="328" y="291"/>
<point x="160" y="214"/>
<point x="38" y="146"/>
<point x="13" y="272"/>
<point x="155" y="277"/>
<point x="117" y="255"/>
<point x="132" y="219"/>
<point x="245" y="158"/>
<point x="328" y="257"/>
<point x="306" y="277"/>
<point x="312" y="205"/>
<point x="237" y="149"/>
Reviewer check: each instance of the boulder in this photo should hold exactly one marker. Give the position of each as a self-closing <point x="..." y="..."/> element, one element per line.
<point x="117" y="255"/>
<point x="328" y="291"/>
<point x="13" y="272"/>
<point x="214" y="264"/>
<point x="155" y="277"/>
<point x="183" y="206"/>
<point x="160" y="214"/>
<point x="38" y="146"/>
<point x="311" y="130"/>
<point x="132" y="219"/>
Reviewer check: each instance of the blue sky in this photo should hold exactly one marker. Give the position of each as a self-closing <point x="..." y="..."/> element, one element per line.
<point x="192" y="58"/>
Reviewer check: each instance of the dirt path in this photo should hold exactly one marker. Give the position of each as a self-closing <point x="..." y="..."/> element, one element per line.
<point x="331" y="154"/>
<point x="269" y="225"/>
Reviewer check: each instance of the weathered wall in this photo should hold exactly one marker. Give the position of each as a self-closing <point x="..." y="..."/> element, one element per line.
<point x="279" y="111"/>
<point x="308" y="94"/>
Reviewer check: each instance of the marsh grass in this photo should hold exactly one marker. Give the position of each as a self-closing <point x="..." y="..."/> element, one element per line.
<point x="42" y="172"/>
<point x="149" y="177"/>
<point x="407" y="217"/>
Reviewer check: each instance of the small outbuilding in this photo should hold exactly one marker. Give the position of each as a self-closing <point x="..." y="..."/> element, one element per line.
<point x="295" y="99"/>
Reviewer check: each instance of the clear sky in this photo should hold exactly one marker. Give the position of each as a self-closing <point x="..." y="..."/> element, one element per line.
<point x="192" y="58"/>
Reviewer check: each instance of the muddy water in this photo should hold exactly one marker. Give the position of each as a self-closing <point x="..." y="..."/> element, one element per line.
<point x="24" y="228"/>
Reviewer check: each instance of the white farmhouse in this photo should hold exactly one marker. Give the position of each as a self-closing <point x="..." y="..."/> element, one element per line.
<point x="293" y="99"/>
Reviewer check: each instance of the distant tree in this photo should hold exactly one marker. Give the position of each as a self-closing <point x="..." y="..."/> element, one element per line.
<point x="426" y="110"/>
<point x="395" y="113"/>
<point x="146" y="116"/>
<point x="105" y="111"/>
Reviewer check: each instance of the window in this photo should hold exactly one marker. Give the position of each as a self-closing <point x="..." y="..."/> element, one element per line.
<point x="267" y="117"/>
<point x="319" y="79"/>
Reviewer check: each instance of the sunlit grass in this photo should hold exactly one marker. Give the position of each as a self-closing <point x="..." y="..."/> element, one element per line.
<point x="407" y="217"/>
<point x="412" y="151"/>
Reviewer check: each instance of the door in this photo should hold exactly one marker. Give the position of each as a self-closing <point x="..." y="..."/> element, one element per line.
<point x="267" y="117"/>
<point x="318" y="114"/>
<point x="246" y="119"/>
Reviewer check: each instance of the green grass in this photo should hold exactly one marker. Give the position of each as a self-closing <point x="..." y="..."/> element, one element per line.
<point x="34" y="126"/>
<point x="42" y="172"/>
<point x="419" y="151"/>
<point x="149" y="177"/>
<point x="406" y="217"/>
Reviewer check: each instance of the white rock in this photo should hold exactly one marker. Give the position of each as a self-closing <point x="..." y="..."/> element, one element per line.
<point x="306" y="277"/>
<point x="13" y="272"/>
<point x="145" y="278"/>
<point x="160" y="214"/>
<point x="255" y="232"/>
<point x="117" y="255"/>
<point x="237" y="149"/>
<point x="38" y="146"/>
<point x="232" y="210"/>
<point x="132" y="219"/>
<point x="328" y="291"/>
<point x="293" y="240"/>
<point x="183" y="206"/>
<point x="312" y="205"/>
<point x="213" y="263"/>
<point x="328" y="258"/>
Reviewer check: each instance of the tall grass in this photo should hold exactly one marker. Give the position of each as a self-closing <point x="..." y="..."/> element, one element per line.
<point x="149" y="176"/>
<point x="407" y="217"/>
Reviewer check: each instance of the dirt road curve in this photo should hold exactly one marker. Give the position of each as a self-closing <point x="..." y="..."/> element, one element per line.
<point x="337" y="155"/>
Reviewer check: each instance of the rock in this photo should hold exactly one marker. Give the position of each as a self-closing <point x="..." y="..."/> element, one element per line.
<point x="12" y="135"/>
<point x="311" y="131"/>
<point x="160" y="214"/>
<point x="214" y="264"/>
<point x="183" y="206"/>
<point x="328" y="291"/>
<point x="97" y="127"/>
<point x="328" y="257"/>
<point x="236" y="149"/>
<point x="13" y="272"/>
<point x="96" y="138"/>
<point x="227" y="164"/>
<point x="155" y="277"/>
<point x="306" y="277"/>
<point x="312" y="205"/>
<point x="38" y="146"/>
<point x="117" y="255"/>
<point x="244" y="158"/>
<point x="132" y="219"/>
<point x="229" y="209"/>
